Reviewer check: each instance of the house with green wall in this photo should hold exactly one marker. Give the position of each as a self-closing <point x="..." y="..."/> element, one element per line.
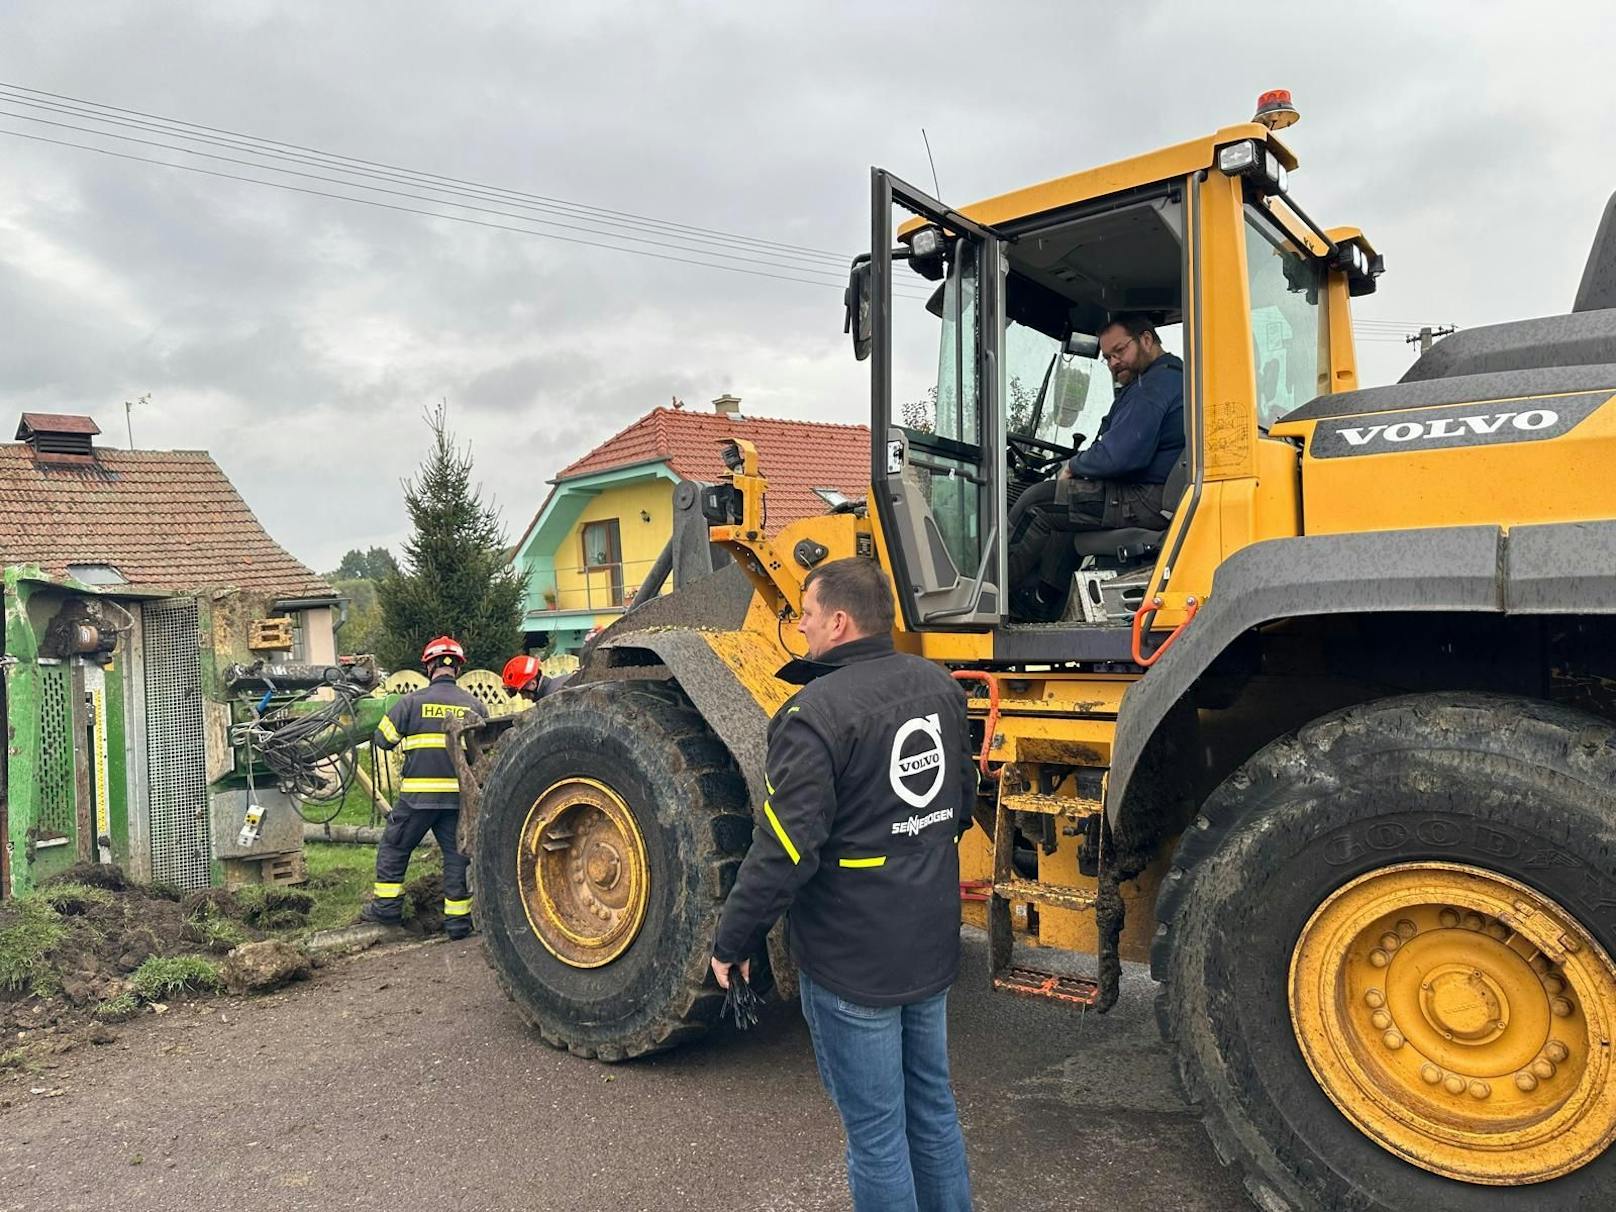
<point x="131" y="579"/>
<point x="609" y="514"/>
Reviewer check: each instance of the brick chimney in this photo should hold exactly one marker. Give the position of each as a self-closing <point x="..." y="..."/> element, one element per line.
<point x="727" y="405"/>
<point x="58" y="437"/>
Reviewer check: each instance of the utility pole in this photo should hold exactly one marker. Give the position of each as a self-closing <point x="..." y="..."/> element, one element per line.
<point x="128" y="414"/>
<point x="1427" y="336"/>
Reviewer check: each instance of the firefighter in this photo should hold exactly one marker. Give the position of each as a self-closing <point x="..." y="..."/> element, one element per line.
<point x="525" y="676"/>
<point x="429" y="793"/>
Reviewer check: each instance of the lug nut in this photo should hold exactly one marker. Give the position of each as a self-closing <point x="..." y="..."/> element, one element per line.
<point x="1525" y="1082"/>
<point x="1374" y="998"/>
<point x="1473" y="921"/>
<point x="1393" y="1039"/>
<point x="1381" y="1020"/>
<point x="1540" y="963"/>
<point x="1390" y="941"/>
<point x="1560" y="1006"/>
<point x="1449" y="918"/>
<point x="1554" y="984"/>
<point x="1453" y="1084"/>
<point x="1556" y="1051"/>
<point x="1430" y="1074"/>
<point x="1480" y="1089"/>
<point x="1498" y="931"/>
<point x="1543" y="1068"/>
<point x="1406" y="928"/>
<point x="1379" y="958"/>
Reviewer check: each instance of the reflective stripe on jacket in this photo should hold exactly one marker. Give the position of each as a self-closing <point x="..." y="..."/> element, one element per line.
<point x="417" y="725"/>
<point x="869" y="784"/>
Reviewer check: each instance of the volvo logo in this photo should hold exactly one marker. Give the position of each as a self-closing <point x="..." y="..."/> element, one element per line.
<point x="1447" y="427"/>
<point x="918" y="769"/>
<point x="1480" y="424"/>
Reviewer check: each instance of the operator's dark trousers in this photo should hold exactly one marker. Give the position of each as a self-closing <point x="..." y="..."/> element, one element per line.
<point x="406" y="827"/>
<point x="1045" y="517"/>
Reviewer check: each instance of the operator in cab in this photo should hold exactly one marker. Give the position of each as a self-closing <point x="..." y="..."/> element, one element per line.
<point x="1116" y="481"/>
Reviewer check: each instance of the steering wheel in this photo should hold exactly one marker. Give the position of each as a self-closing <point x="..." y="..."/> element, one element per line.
<point x="1038" y="457"/>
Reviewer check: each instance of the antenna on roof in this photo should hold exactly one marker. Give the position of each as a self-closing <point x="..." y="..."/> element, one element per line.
<point x="128" y="414"/>
<point x="933" y="163"/>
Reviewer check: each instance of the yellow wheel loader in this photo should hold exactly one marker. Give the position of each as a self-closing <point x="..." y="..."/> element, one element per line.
<point x="1333" y="746"/>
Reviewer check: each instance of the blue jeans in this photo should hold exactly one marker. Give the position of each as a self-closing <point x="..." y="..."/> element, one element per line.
<point x="886" y="1069"/>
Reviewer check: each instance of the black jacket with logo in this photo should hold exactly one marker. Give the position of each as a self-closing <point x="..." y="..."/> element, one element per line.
<point x="870" y="784"/>
<point x="417" y="724"/>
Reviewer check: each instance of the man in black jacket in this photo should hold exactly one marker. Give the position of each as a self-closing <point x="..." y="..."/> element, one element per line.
<point x="869" y="786"/>
<point x="1115" y="482"/>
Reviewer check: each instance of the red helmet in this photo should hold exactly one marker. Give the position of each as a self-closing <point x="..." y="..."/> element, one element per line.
<point x="519" y="671"/>
<point x="443" y="646"/>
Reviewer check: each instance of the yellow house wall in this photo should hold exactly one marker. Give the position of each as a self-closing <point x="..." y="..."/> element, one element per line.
<point x="642" y="542"/>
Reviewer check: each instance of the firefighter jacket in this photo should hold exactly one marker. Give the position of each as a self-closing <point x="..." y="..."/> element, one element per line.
<point x="869" y="784"/>
<point x="417" y="724"/>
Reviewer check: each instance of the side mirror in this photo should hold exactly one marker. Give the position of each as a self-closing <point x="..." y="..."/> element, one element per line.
<point x="1081" y="345"/>
<point x="857" y="303"/>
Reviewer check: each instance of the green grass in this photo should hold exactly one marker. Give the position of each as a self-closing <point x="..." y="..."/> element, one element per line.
<point x="339" y="880"/>
<point x="118" y="1009"/>
<point x="18" y="1059"/>
<point x="357" y="808"/>
<point x="340" y="877"/>
<point x="25" y="942"/>
<point x="161" y="976"/>
<point x="69" y="896"/>
<point x="215" y="930"/>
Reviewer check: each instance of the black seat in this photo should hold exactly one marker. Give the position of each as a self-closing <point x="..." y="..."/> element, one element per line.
<point x="1143" y="540"/>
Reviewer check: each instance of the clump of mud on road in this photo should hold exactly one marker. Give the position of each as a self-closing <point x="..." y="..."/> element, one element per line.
<point x="90" y="948"/>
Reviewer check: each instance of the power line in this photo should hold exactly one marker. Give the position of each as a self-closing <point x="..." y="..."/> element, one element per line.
<point x="392" y="192"/>
<point x="411" y="210"/>
<point x="815" y="261"/>
<point x="839" y="258"/>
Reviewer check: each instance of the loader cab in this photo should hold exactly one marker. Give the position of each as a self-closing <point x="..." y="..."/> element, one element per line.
<point x="981" y="326"/>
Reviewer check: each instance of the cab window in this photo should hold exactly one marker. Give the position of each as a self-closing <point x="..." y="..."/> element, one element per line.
<point x="1289" y="335"/>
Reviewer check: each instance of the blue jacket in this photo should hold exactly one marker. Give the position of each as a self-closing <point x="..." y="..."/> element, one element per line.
<point x="1142" y="437"/>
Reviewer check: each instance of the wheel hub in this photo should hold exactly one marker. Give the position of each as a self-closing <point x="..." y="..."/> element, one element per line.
<point x="1461" y="1020"/>
<point x="582" y="872"/>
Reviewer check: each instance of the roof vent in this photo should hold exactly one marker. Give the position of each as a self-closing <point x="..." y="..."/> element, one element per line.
<point x="727" y="405"/>
<point x="58" y="437"/>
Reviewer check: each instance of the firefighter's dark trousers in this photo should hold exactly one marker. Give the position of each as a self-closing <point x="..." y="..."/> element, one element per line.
<point x="406" y="827"/>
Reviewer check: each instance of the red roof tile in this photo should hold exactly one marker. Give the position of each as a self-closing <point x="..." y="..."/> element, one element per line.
<point x="796" y="457"/>
<point x="166" y="519"/>
<point x="55" y="422"/>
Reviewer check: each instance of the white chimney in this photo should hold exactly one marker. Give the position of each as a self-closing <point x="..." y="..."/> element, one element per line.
<point x="727" y="405"/>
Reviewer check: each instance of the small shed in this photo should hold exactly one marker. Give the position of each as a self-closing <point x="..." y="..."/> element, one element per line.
<point x="132" y="578"/>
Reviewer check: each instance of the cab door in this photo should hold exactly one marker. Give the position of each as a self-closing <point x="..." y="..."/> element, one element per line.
<point x="939" y="484"/>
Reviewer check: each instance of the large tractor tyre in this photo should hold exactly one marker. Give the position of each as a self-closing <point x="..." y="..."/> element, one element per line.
<point x="612" y="826"/>
<point x="1385" y="949"/>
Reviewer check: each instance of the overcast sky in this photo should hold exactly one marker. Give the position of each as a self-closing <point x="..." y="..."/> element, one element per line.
<point x="300" y="338"/>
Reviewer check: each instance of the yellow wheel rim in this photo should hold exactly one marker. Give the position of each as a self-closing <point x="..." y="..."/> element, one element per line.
<point x="582" y="872"/>
<point x="1461" y="1020"/>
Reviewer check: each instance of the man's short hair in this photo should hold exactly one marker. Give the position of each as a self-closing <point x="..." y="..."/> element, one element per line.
<point x="1137" y="324"/>
<point x="858" y="587"/>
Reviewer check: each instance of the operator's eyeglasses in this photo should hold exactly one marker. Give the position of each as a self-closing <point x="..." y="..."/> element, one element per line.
<point x="1113" y="356"/>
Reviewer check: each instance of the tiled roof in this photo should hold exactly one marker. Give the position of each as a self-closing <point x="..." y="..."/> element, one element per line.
<point x="165" y="519"/>
<point x="795" y="456"/>
<point x="55" y="422"/>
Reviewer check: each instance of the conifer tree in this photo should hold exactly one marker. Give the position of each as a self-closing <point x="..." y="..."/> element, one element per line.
<point x="455" y="578"/>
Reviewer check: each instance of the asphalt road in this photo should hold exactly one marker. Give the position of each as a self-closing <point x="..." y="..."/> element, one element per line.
<point x="402" y="1079"/>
